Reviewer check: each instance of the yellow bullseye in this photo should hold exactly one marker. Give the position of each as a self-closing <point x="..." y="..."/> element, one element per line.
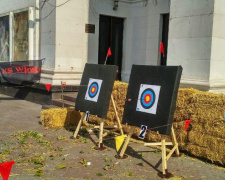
<point x="147" y="98"/>
<point x="93" y="90"/>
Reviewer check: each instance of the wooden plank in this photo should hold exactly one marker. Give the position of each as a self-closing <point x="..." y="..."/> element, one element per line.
<point x="158" y="144"/>
<point x="164" y="165"/>
<point x="117" y="116"/>
<point x="175" y="141"/>
<point x="171" y="152"/>
<point x="127" y="141"/>
<point x="110" y="132"/>
<point x="79" y="125"/>
<point x="101" y="132"/>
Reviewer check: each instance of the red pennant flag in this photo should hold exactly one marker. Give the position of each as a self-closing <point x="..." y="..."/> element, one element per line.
<point x="187" y="122"/>
<point x="48" y="86"/>
<point x="161" y="49"/>
<point x="63" y="84"/>
<point x="109" y="52"/>
<point x="5" y="169"/>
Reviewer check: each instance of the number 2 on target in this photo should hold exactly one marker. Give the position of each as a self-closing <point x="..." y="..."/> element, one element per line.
<point x="142" y="132"/>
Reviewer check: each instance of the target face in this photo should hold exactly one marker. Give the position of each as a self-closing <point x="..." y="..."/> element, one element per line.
<point x="148" y="98"/>
<point x="93" y="89"/>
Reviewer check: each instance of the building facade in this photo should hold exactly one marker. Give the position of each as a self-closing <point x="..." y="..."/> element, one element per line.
<point x="70" y="33"/>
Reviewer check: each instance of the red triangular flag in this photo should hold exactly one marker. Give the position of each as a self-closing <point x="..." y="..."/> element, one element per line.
<point x="161" y="49"/>
<point x="63" y="84"/>
<point x="5" y="169"/>
<point x="109" y="52"/>
<point x="187" y="122"/>
<point x="48" y="86"/>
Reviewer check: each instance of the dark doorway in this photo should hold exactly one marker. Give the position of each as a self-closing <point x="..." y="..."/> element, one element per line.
<point x="111" y="35"/>
<point x="165" y="31"/>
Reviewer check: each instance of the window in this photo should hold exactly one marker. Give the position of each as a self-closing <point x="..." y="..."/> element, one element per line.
<point x="4" y="38"/>
<point x="17" y="35"/>
<point x="21" y="38"/>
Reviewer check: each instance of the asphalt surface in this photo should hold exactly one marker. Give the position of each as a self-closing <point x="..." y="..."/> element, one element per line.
<point x="59" y="157"/>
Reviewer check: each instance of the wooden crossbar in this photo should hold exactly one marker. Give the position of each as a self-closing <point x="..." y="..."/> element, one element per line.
<point x="101" y="126"/>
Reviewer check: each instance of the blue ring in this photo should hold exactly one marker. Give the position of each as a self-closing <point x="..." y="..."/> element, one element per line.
<point x="94" y="84"/>
<point x="151" y="103"/>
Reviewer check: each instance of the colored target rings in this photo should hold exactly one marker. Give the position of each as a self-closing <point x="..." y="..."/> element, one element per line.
<point x="147" y="98"/>
<point x="93" y="89"/>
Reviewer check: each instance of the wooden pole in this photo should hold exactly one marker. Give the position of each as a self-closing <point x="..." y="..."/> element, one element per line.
<point x="79" y="125"/>
<point x="126" y="142"/>
<point x="164" y="165"/>
<point x="101" y="132"/>
<point x="62" y="94"/>
<point x="117" y="116"/>
<point x="106" y="59"/>
<point x="175" y="141"/>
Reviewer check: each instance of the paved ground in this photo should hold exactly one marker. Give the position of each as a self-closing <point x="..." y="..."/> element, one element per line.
<point x="41" y="153"/>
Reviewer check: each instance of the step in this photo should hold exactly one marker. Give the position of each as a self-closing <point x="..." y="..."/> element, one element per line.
<point x="59" y="102"/>
<point x="70" y="97"/>
<point x="49" y="106"/>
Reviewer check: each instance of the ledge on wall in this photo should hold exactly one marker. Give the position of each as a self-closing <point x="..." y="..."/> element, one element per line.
<point x="36" y="93"/>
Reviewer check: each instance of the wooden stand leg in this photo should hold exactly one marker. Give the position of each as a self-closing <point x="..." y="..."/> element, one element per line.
<point x="101" y="132"/>
<point x="164" y="164"/>
<point x="121" y="155"/>
<point x="78" y="126"/>
<point x="117" y="116"/>
<point x="174" y="140"/>
<point x="100" y="144"/>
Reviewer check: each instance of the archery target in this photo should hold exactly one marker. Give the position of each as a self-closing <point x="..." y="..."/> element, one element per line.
<point x="148" y="98"/>
<point x="93" y="89"/>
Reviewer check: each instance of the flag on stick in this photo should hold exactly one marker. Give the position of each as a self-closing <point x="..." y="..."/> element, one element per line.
<point x="161" y="49"/>
<point x="109" y="53"/>
<point x="119" y="141"/>
<point x="187" y="122"/>
<point x="5" y="169"/>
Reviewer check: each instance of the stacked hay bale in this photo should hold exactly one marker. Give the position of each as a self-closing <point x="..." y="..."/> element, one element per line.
<point x="60" y="117"/>
<point x="205" y="136"/>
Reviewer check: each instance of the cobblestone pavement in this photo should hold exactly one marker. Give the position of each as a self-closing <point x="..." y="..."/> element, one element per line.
<point x="41" y="153"/>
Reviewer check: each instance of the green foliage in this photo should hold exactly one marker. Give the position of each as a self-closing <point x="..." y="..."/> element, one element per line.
<point x="107" y="167"/>
<point x="99" y="174"/>
<point x="61" y="166"/>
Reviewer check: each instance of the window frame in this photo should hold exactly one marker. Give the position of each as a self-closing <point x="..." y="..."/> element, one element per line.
<point x="31" y="30"/>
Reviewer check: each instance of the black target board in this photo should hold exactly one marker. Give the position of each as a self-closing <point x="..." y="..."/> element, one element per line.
<point x="151" y="97"/>
<point x="95" y="89"/>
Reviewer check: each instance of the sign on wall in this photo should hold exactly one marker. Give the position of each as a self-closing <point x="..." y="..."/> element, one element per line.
<point x="151" y="97"/>
<point x="95" y="89"/>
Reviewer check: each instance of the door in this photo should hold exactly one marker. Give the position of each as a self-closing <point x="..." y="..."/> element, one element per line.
<point x="111" y="35"/>
<point x="165" y="31"/>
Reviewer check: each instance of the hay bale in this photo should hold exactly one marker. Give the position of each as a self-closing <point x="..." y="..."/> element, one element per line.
<point x="204" y="138"/>
<point x="60" y="117"/>
<point x="206" y="153"/>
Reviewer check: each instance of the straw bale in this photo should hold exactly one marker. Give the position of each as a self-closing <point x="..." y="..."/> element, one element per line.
<point x="204" y="138"/>
<point x="59" y="117"/>
<point x="217" y="129"/>
<point x="205" y="153"/>
<point x="212" y="143"/>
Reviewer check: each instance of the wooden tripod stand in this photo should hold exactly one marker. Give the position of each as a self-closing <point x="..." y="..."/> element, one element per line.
<point x="163" y="145"/>
<point x="101" y="126"/>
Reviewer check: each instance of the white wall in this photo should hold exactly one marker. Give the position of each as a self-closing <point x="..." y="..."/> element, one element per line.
<point x="141" y="31"/>
<point x="13" y="5"/>
<point x="217" y="64"/>
<point x="190" y="39"/>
